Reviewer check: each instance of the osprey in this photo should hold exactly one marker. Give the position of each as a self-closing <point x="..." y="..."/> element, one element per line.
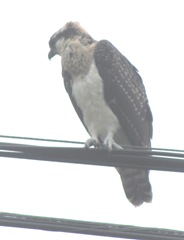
<point x="109" y="97"/>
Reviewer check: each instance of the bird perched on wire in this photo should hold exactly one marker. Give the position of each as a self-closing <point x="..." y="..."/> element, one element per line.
<point x="109" y="97"/>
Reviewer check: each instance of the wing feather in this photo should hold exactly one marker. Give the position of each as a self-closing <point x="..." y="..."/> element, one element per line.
<point x="124" y="92"/>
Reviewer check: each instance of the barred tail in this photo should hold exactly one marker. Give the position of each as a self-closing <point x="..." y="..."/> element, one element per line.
<point x="136" y="185"/>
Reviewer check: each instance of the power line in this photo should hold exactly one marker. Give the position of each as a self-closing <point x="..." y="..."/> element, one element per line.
<point x="90" y="228"/>
<point x="144" y="159"/>
<point x="155" y="159"/>
<point x="83" y="143"/>
<point x="40" y="139"/>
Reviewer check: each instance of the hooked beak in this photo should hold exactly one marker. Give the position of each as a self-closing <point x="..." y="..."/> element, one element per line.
<point x="51" y="54"/>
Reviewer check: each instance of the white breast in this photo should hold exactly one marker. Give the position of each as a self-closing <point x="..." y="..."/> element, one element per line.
<point x="89" y="95"/>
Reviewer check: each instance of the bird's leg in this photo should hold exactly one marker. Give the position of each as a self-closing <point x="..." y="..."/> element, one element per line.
<point x="92" y="142"/>
<point x="110" y="144"/>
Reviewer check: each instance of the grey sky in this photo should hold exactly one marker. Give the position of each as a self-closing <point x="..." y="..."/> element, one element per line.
<point x="34" y="103"/>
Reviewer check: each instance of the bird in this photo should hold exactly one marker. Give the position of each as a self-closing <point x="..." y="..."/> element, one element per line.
<point x="108" y="94"/>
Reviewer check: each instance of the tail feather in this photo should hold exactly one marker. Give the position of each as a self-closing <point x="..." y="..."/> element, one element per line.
<point x="136" y="185"/>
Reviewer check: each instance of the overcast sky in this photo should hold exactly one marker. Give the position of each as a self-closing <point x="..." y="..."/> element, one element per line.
<point x="34" y="104"/>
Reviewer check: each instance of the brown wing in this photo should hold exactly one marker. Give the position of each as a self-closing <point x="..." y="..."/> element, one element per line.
<point x="125" y="93"/>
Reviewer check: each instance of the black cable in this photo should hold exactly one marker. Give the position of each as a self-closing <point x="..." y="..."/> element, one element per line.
<point x="90" y="228"/>
<point x="41" y="139"/>
<point x="82" y="143"/>
<point x="156" y="159"/>
<point x="120" y="158"/>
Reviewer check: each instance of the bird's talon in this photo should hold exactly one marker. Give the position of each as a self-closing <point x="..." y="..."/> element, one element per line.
<point x="99" y="146"/>
<point x="91" y="143"/>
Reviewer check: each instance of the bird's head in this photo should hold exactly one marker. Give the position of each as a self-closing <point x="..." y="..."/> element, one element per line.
<point x="70" y="31"/>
